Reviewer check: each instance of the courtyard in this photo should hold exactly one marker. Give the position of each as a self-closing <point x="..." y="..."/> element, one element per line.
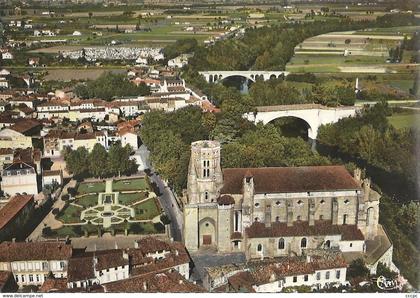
<point x="123" y="206"/>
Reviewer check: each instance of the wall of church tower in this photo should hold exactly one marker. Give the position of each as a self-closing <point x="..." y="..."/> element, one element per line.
<point x="191" y="227"/>
<point x="205" y="174"/>
<point x="225" y="228"/>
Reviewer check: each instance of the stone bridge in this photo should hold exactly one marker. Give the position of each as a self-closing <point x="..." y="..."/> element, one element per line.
<point x="253" y="75"/>
<point x="314" y="115"/>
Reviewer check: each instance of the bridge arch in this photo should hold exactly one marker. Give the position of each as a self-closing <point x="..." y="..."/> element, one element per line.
<point x="312" y="129"/>
<point x="222" y="77"/>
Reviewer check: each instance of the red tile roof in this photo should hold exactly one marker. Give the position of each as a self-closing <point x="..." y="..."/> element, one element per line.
<point x="80" y="268"/>
<point x="321" y="227"/>
<point x="289" y="179"/>
<point x="25" y="125"/>
<point x="21" y="251"/>
<point x="13" y="208"/>
<point x="53" y="285"/>
<point x="226" y="200"/>
<point x="163" y="282"/>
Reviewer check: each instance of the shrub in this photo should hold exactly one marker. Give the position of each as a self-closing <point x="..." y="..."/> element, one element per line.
<point x="136" y="228"/>
<point x="357" y="268"/>
<point x="55" y="211"/>
<point x="47" y="232"/>
<point x="72" y="191"/>
<point x="165" y="219"/>
<point x="65" y="197"/>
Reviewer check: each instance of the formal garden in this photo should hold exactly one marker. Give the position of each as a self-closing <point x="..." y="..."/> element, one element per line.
<point x="116" y="206"/>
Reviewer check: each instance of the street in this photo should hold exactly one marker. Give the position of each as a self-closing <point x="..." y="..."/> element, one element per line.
<point x="170" y="206"/>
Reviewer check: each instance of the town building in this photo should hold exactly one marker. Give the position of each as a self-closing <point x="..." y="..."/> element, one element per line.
<point x="317" y="270"/>
<point x="151" y="254"/>
<point x="274" y="212"/>
<point x="32" y="262"/>
<point x="14" y="215"/>
<point x="99" y="267"/>
<point x="20" y="175"/>
<point x="52" y="177"/>
<point x="162" y="282"/>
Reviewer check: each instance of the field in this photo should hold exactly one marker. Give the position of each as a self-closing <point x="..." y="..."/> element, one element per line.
<point x="68" y="74"/>
<point x="351" y="52"/>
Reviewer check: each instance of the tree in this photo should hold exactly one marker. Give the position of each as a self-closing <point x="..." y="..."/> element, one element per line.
<point x="109" y="85"/>
<point x="357" y="268"/>
<point x="77" y="162"/>
<point x="98" y="159"/>
<point x="119" y="161"/>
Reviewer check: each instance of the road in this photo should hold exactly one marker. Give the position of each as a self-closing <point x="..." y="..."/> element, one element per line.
<point x="170" y="206"/>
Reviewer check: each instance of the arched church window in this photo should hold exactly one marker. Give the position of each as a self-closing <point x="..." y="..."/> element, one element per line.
<point x="300" y="202"/>
<point x="322" y="202"/>
<point x="277" y="218"/>
<point x="346" y="202"/>
<point x="206" y="195"/>
<point x="327" y="244"/>
<point x="345" y="219"/>
<point x="259" y="248"/>
<point x="278" y="203"/>
<point x="281" y="243"/>
<point x="257" y="205"/>
<point x="303" y="243"/>
<point x="369" y="216"/>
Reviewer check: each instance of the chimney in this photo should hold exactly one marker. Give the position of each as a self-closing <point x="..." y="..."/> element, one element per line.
<point x="357" y="174"/>
<point x="13" y="240"/>
<point x="145" y="286"/>
<point x="136" y="244"/>
<point x="366" y="188"/>
<point x="116" y="245"/>
<point x="308" y="259"/>
<point x="180" y="282"/>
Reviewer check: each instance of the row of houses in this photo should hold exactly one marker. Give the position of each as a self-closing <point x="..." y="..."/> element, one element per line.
<point x="318" y="269"/>
<point x="58" y="266"/>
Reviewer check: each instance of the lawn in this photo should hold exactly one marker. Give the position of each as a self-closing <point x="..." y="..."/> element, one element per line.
<point x="130" y="184"/>
<point x="146" y="210"/>
<point x="70" y="215"/>
<point x="87" y="201"/>
<point x="403" y="120"/>
<point x="130" y="198"/>
<point x="93" y="187"/>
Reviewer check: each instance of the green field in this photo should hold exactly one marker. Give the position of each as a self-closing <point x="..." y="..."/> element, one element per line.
<point x="87" y="201"/>
<point x="90" y="187"/>
<point x="130" y="198"/>
<point x="146" y="210"/>
<point x="404" y="120"/>
<point x="130" y="184"/>
<point x="71" y="214"/>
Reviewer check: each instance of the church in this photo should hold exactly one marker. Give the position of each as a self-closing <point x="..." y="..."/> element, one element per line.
<point x="280" y="211"/>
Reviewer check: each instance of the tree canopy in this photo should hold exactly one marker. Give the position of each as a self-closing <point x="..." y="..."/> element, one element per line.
<point x="110" y="85"/>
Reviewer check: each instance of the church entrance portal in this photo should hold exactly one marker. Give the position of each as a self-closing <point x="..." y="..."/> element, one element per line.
<point x="206" y="239"/>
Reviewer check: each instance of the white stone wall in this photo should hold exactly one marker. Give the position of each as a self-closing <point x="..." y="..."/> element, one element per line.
<point x="20" y="184"/>
<point x="354" y="245"/>
<point x="35" y="272"/>
<point x="112" y="274"/>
